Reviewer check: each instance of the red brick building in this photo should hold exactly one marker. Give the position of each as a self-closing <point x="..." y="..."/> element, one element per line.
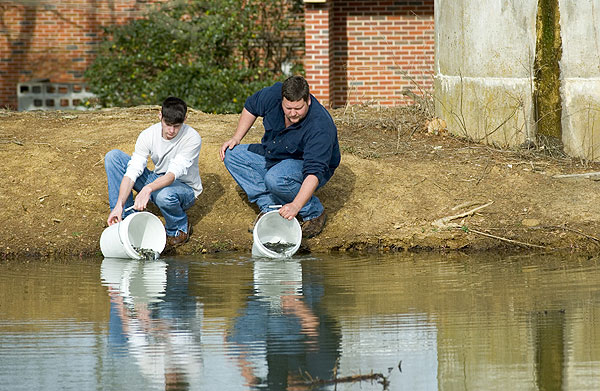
<point x="356" y="51"/>
<point x="54" y="39"/>
<point x="368" y="51"/>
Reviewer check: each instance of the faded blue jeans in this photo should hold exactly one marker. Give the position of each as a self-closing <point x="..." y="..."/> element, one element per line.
<point x="278" y="185"/>
<point x="172" y="200"/>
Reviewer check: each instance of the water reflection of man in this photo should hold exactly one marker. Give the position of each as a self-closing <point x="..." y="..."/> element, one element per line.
<point x="154" y="320"/>
<point x="282" y="333"/>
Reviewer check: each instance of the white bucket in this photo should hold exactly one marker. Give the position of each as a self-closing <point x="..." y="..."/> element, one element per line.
<point x="272" y="228"/>
<point x="140" y="229"/>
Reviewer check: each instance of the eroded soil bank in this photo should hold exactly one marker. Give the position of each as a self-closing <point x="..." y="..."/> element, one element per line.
<point x="394" y="183"/>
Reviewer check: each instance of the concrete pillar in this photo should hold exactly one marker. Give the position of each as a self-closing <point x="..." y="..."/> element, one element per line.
<point x="484" y="68"/>
<point x="490" y="62"/>
<point x="580" y="77"/>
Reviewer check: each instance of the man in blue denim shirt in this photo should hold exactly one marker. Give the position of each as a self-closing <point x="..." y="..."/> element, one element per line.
<point x="297" y="155"/>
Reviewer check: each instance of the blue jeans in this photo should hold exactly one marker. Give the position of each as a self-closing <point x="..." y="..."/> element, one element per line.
<point x="172" y="200"/>
<point x="278" y="185"/>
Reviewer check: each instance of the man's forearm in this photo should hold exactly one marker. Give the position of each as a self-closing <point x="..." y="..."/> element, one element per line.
<point x="124" y="190"/>
<point x="309" y="185"/>
<point x="244" y="124"/>
<point x="143" y="196"/>
<point x="162" y="181"/>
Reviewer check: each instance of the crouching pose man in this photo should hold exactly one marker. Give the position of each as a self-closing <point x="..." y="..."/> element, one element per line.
<point x="174" y="183"/>
<point x="297" y="155"/>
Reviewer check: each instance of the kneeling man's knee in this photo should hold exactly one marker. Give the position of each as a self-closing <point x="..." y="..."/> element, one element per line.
<point x="112" y="155"/>
<point x="231" y="156"/>
<point x="165" y="199"/>
<point x="276" y="183"/>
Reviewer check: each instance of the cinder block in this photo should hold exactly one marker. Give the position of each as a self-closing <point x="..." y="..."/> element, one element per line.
<point x="44" y="95"/>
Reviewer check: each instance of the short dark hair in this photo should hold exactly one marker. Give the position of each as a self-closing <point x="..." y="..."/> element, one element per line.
<point x="295" y="88"/>
<point x="173" y="111"/>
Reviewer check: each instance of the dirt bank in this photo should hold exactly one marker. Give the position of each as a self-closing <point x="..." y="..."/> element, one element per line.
<point x="395" y="180"/>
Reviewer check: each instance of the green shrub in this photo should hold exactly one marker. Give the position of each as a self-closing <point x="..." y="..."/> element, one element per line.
<point x="213" y="54"/>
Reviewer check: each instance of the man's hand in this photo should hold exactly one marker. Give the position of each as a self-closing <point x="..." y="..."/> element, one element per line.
<point x="289" y="211"/>
<point x="142" y="198"/>
<point x="115" y="215"/>
<point x="229" y="144"/>
<point x="309" y="185"/>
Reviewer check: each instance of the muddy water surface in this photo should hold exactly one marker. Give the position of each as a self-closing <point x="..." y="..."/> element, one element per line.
<point x="231" y="322"/>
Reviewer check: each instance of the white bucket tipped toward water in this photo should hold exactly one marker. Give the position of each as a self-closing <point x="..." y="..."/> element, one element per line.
<point x="141" y="230"/>
<point x="272" y="230"/>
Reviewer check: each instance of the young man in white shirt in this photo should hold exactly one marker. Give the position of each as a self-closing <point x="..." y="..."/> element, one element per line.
<point x="174" y="183"/>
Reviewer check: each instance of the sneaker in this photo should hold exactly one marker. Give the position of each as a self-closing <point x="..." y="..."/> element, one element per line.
<point x="313" y="227"/>
<point x="251" y="226"/>
<point x="180" y="238"/>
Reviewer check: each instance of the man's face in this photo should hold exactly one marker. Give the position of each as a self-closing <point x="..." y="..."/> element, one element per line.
<point x="169" y="131"/>
<point x="295" y="111"/>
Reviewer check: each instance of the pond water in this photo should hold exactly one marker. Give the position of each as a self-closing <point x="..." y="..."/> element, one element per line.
<point x="232" y="322"/>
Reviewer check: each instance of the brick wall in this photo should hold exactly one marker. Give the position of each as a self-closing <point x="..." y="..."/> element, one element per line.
<point x="56" y="40"/>
<point x="356" y="51"/>
<point x="369" y="51"/>
<point x="317" y="46"/>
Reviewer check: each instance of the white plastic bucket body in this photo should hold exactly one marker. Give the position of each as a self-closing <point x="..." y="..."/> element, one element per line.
<point x="140" y="229"/>
<point x="272" y="228"/>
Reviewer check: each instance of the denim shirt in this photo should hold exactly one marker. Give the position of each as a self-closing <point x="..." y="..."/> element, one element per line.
<point x="313" y="139"/>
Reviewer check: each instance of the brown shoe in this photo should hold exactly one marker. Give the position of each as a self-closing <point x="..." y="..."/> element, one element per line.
<point x="313" y="227"/>
<point x="251" y="226"/>
<point x="180" y="238"/>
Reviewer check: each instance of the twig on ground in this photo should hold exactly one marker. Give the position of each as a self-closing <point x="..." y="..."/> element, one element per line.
<point x="13" y="141"/>
<point x="576" y="231"/>
<point x="465" y="205"/>
<point x="485" y="172"/>
<point x="443" y="222"/>
<point x="439" y="186"/>
<point x="505" y="239"/>
<point x="585" y="174"/>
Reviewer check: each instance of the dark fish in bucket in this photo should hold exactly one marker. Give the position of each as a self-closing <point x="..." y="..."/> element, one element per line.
<point x="146" y="253"/>
<point x="279" y="247"/>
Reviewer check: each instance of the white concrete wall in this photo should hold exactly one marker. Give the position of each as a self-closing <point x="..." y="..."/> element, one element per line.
<point x="580" y="77"/>
<point x="484" y="71"/>
<point x="484" y="68"/>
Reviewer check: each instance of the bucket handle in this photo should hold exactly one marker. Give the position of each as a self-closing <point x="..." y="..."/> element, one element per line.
<point x="119" y="233"/>
<point x="119" y="228"/>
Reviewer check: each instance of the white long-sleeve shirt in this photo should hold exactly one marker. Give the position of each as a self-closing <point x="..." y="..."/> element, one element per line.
<point x="178" y="156"/>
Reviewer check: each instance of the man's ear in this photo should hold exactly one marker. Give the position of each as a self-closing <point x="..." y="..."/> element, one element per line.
<point x="309" y="100"/>
<point x="160" y="116"/>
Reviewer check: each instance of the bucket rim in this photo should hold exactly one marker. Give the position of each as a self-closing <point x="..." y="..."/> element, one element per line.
<point x="124" y="236"/>
<point x="265" y="252"/>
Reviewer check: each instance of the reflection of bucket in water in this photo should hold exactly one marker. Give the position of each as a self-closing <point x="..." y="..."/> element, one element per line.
<point x="136" y="280"/>
<point x="272" y="230"/>
<point x="141" y="230"/>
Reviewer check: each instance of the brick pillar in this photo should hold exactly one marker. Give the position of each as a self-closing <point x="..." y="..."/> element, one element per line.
<point x="317" y="60"/>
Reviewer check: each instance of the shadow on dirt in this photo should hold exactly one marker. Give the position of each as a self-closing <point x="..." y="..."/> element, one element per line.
<point x="338" y="190"/>
<point x="212" y="191"/>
